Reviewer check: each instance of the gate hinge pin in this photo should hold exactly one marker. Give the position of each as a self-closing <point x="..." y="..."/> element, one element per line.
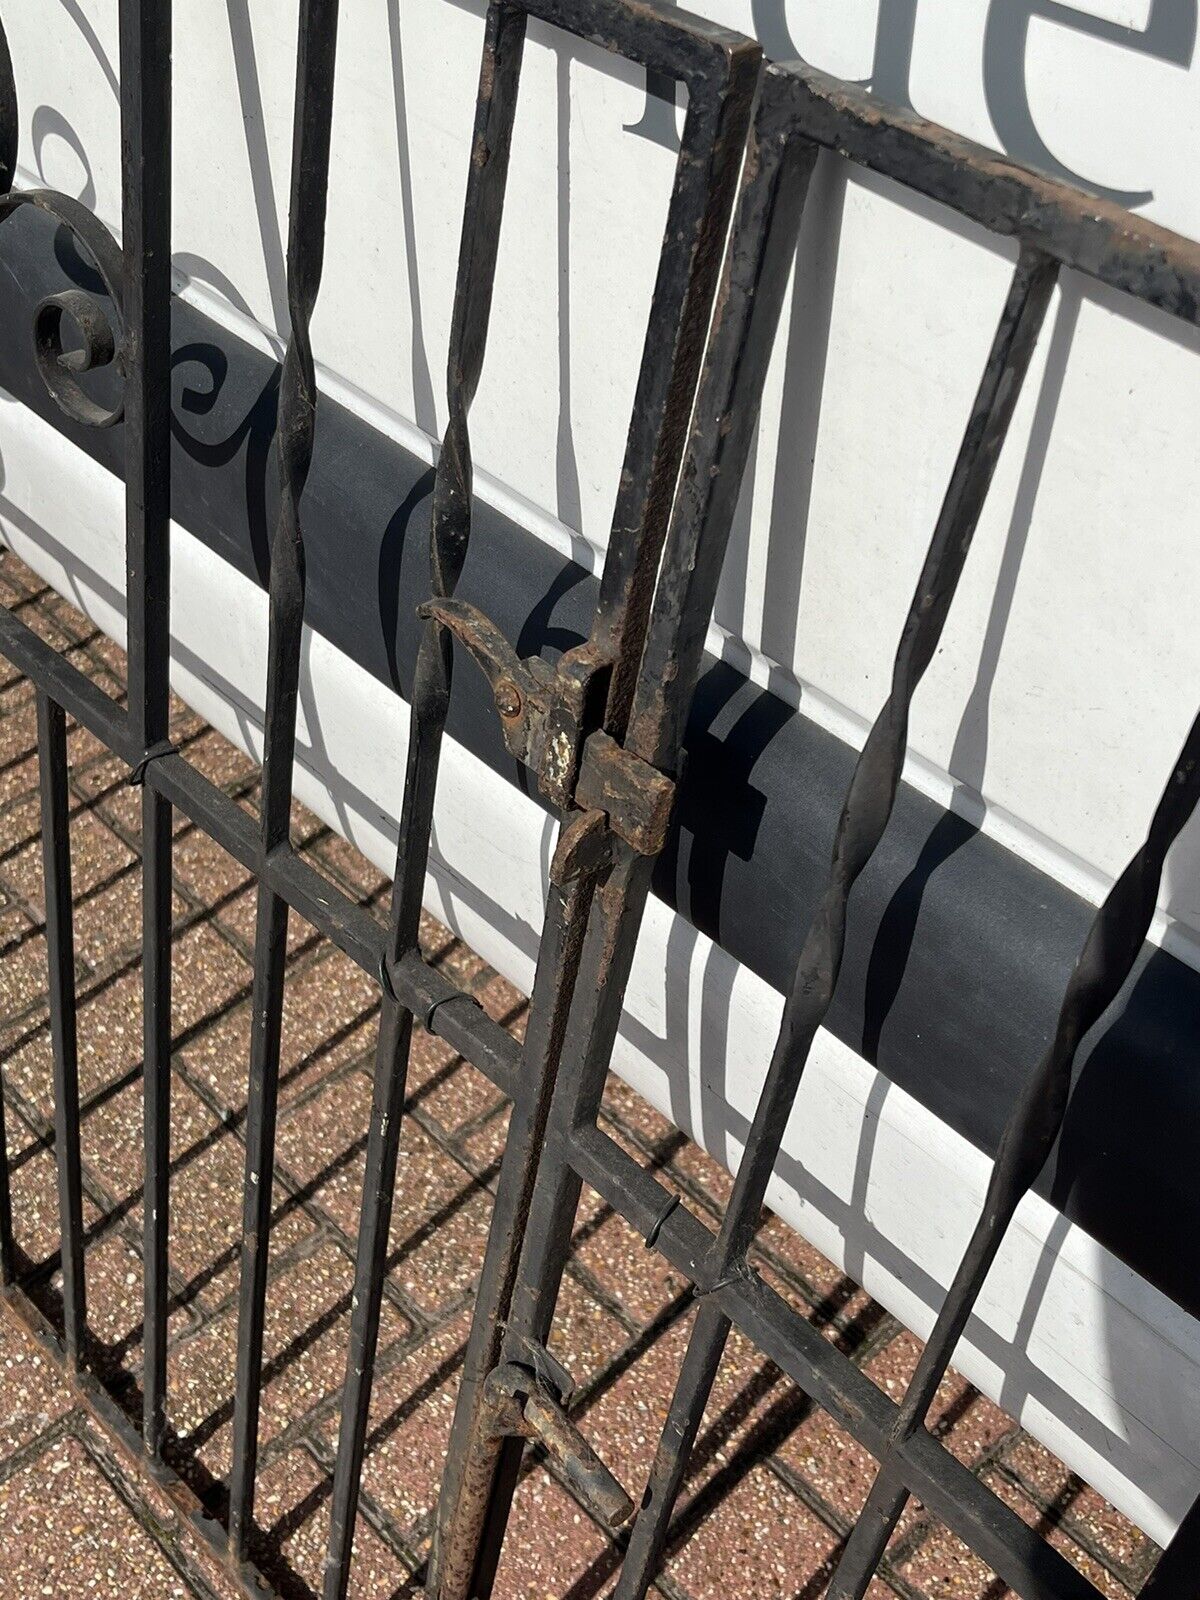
<point x="636" y="797"/>
<point x="523" y="1405"/>
<point x="545" y="715"/>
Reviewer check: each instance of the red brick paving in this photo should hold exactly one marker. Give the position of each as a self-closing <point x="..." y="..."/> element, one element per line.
<point x="774" y="1484"/>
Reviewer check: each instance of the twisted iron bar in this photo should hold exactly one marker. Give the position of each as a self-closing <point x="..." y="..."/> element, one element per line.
<point x="774" y="184"/>
<point x="295" y="436"/>
<point x="876" y="779"/>
<point x="865" y="813"/>
<point x="134" y="336"/>
<point x="1113" y="944"/>
<point x="450" y="533"/>
<point x="598" y="884"/>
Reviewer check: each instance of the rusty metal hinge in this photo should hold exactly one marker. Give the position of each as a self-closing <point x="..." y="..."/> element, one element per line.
<point x="525" y="1403"/>
<point x="550" y="715"/>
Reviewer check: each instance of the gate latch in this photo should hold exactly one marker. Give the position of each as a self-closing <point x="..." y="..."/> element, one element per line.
<point x="524" y="1405"/>
<point x="546" y="713"/>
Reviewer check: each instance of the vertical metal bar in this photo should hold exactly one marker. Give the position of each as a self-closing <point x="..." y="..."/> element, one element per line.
<point x="598" y="885"/>
<point x="475" y="1453"/>
<point x="156" y="1081"/>
<point x="8" y="158"/>
<point x="711" y="151"/>
<point x="698" y="1373"/>
<point x="270" y="952"/>
<point x="9" y="145"/>
<point x="480" y="1469"/>
<point x="1113" y="944"/>
<point x="315" y="59"/>
<point x="682" y="603"/>
<point x="145" y="29"/>
<point x="145" y="46"/>
<point x="450" y="527"/>
<point x="604" y="966"/>
<point x="60" y="950"/>
<point x="379" y="1179"/>
<point x="9" y="123"/>
<point x="775" y="186"/>
<point x="873" y="787"/>
<point x="450" y="531"/>
<point x="865" y="814"/>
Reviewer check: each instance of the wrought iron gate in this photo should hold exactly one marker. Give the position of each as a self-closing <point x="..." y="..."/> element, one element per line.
<point x="601" y="732"/>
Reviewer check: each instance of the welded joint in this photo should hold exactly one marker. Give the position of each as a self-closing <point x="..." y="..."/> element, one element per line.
<point x="385" y="971"/>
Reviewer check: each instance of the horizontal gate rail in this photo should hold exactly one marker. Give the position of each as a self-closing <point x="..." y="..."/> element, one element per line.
<point x="798" y="113"/>
<point x="343" y="921"/>
<point x="1116" y="247"/>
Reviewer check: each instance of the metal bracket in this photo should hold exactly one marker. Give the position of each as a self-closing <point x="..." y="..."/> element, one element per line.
<point x="523" y="1405"/>
<point x="549" y="716"/>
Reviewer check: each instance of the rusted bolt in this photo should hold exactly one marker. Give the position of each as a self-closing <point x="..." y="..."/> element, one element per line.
<point x="508" y="698"/>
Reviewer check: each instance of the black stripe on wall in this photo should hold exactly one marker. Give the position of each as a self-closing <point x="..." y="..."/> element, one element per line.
<point x="958" y="951"/>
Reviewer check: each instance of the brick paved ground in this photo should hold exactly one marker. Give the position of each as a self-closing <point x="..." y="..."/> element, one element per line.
<point x="775" y="1486"/>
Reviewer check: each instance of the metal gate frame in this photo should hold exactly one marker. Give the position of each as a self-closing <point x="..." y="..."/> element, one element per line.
<point x="501" y="1405"/>
<point x="601" y="730"/>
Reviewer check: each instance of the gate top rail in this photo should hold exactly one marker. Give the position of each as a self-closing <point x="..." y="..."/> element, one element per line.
<point x="657" y="36"/>
<point x="1117" y="247"/>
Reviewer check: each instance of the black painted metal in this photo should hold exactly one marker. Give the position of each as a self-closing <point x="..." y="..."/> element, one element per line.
<point x="296" y="428"/>
<point x="450" y="531"/>
<point x="797" y="112"/>
<point x="146" y="363"/>
<point x="553" y="718"/>
<point x="602" y="732"/>
<point x="60" y="953"/>
<point x="865" y="815"/>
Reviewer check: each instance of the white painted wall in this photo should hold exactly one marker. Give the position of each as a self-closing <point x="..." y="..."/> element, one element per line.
<point x="1071" y="664"/>
<point x="1069" y="671"/>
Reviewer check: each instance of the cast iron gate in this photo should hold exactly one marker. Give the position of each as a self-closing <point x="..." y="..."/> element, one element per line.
<point x="601" y="731"/>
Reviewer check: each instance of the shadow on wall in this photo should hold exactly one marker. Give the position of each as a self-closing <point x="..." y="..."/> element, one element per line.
<point x="1169" y="35"/>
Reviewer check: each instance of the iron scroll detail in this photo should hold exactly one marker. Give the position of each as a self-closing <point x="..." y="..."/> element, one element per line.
<point x="101" y="331"/>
